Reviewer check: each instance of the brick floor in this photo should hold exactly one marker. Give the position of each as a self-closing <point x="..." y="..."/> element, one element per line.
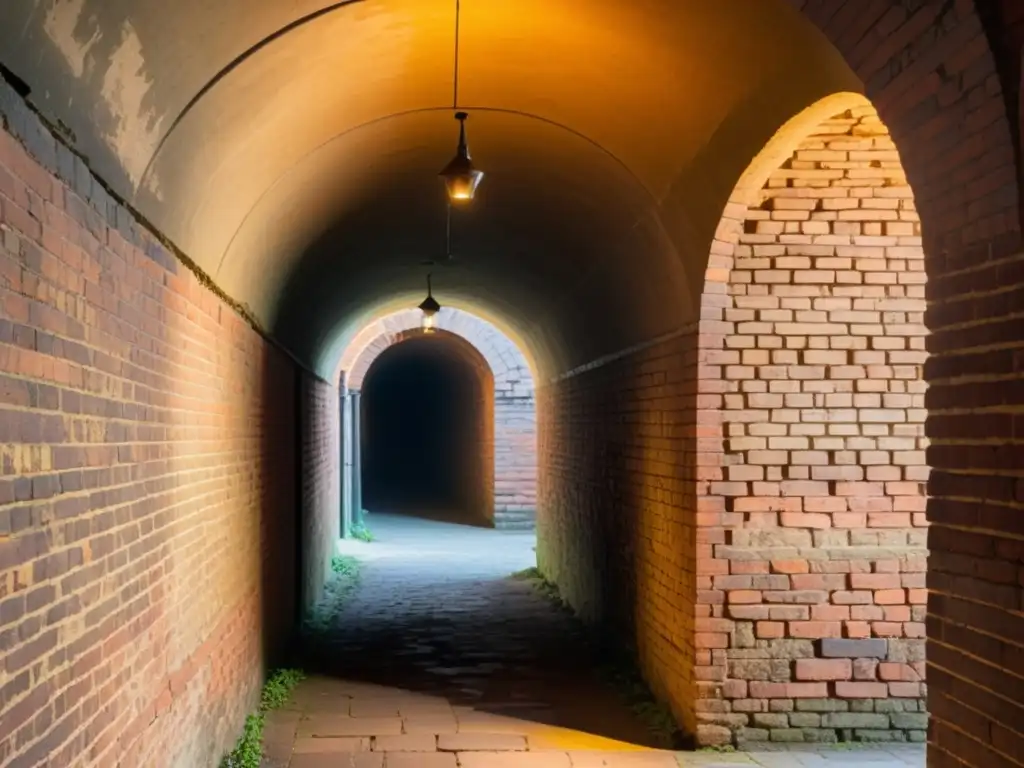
<point x="439" y="660"/>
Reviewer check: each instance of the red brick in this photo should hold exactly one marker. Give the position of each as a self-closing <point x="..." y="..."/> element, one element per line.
<point x="789" y="566"/>
<point x="744" y="596"/>
<point x="124" y="499"/>
<point x="824" y="669"/>
<point x="805" y="690"/>
<point x="770" y="629"/>
<point x="818" y="393"/>
<point x="711" y="640"/>
<point x="890" y="596"/>
<point x="893" y="672"/>
<point x="815" y="629"/>
<point x="905" y="690"/>
<point x="875" y="581"/>
<point x="858" y="690"/>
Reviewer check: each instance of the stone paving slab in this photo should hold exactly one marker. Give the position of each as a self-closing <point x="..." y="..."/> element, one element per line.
<point x="622" y="760"/>
<point x="439" y="660"/>
<point x="900" y="756"/>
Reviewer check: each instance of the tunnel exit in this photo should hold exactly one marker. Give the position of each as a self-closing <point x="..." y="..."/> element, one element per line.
<point x="440" y="422"/>
<point x="427" y="431"/>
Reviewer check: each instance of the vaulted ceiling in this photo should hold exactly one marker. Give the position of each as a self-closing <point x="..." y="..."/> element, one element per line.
<point x="291" y="149"/>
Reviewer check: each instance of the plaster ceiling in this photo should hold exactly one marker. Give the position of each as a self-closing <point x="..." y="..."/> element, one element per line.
<point x="291" y="148"/>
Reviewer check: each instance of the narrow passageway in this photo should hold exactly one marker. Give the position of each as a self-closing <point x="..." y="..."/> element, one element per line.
<point x="723" y="400"/>
<point x="438" y="612"/>
<point x="425" y="431"/>
<point x="440" y="656"/>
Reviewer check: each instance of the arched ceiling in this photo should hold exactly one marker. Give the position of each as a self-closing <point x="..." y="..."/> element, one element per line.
<point x="291" y="148"/>
<point x="452" y="349"/>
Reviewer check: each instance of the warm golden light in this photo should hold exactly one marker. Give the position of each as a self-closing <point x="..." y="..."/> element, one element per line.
<point x="460" y="177"/>
<point x="462" y="187"/>
<point x="429" y="307"/>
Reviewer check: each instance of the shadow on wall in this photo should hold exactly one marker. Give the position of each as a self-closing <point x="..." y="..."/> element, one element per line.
<point x="617" y="486"/>
<point x="427" y="431"/>
<point x="317" y="500"/>
<point x="277" y="488"/>
<point x="149" y="448"/>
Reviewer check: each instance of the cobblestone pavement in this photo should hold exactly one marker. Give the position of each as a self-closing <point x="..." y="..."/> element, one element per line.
<point x="439" y="660"/>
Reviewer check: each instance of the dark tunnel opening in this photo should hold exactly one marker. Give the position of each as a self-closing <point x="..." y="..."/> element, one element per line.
<point x="427" y="426"/>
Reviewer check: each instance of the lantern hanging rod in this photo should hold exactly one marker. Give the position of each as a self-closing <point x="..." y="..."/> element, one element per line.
<point x="448" y="234"/>
<point x="429" y="306"/>
<point x="455" y="78"/>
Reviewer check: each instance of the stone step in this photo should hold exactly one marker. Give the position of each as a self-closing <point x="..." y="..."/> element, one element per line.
<point x="516" y="519"/>
<point x="516" y="526"/>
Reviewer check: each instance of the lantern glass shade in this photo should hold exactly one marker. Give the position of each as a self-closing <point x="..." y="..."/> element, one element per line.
<point x="461" y="178"/>
<point x="429" y="308"/>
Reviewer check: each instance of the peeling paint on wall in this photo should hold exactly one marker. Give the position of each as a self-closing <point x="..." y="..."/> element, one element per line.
<point x="135" y="130"/>
<point x="60" y="24"/>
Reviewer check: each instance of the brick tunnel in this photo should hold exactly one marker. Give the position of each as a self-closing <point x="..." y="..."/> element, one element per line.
<point x="737" y="292"/>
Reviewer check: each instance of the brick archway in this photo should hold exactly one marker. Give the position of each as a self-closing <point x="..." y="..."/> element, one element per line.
<point x="931" y="72"/>
<point x="515" y="421"/>
<point x="811" y="406"/>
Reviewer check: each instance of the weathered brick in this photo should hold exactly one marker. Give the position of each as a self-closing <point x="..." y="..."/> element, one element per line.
<point x="156" y="439"/>
<point x="834" y="469"/>
<point x="855" y="720"/>
<point x="853" y="649"/>
<point x="860" y="690"/>
<point x="823" y="669"/>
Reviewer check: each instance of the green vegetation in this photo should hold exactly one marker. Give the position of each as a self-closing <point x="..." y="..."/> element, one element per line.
<point x="361" y="532"/>
<point x="248" y="753"/>
<point x="542" y="585"/>
<point x="279" y="687"/>
<point x="336" y="591"/>
<point x="345" y="565"/>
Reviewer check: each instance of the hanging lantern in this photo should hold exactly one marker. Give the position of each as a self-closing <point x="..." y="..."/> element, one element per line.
<point x="461" y="178"/>
<point x="429" y="307"/>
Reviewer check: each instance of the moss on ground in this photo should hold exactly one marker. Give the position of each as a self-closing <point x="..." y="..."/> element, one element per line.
<point x="248" y="752"/>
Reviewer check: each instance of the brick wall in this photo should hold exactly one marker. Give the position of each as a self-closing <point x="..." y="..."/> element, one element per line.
<point x="320" y="467"/>
<point x="811" y="570"/>
<point x="743" y="512"/>
<point x="617" y="524"/>
<point x="928" y="68"/>
<point x="147" y="483"/>
<point x="515" y="411"/>
<point x="931" y="72"/>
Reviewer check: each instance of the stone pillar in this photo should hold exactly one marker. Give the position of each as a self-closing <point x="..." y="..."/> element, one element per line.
<point x="357" y="463"/>
<point x="346" y="465"/>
